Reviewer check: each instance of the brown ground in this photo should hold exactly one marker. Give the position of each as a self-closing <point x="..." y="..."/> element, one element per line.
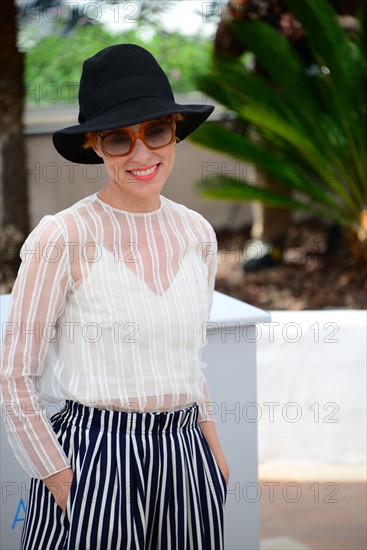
<point x="321" y="515"/>
<point x="313" y="275"/>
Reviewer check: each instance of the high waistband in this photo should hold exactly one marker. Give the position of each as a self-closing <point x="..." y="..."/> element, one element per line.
<point x="129" y="422"/>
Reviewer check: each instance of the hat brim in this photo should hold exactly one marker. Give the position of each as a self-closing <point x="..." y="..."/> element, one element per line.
<point x="68" y="141"/>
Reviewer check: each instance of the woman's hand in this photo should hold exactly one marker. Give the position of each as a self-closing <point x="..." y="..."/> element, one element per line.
<point x="59" y="485"/>
<point x="210" y="434"/>
<point x="225" y="471"/>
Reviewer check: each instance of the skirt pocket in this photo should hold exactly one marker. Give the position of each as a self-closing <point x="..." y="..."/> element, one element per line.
<point x="223" y="479"/>
<point x="70" y="498"/>
<point x="214" y="466"/>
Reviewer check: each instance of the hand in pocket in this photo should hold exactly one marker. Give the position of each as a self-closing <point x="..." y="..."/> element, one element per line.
<point x="59" y="485"/>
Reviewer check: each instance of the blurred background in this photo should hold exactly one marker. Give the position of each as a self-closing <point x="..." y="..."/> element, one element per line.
<point x="279" y="171"/>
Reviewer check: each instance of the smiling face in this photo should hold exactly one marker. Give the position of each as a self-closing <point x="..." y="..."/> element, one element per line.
<point x="135" y="180"/>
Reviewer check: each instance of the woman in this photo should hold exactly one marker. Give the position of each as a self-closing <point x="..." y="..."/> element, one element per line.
<point x="112" y="296"/>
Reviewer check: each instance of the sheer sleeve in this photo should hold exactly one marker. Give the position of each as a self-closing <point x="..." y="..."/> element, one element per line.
<point x="206" y="408"/>
<point x="37" y="300"/>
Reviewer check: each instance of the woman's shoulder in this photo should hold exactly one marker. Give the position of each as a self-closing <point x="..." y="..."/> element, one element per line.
<point x="191" y="215"/>
<point x="62" y="223"/>
<point x="79" y="208"/>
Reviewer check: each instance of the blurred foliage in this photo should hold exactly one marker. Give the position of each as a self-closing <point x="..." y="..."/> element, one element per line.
<point x="304" y="124"/>
<point x="53" y="66"/>
<point x="62" y="16"/>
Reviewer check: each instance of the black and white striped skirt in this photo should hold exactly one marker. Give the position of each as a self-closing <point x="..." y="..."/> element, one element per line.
<point x="142" y="481"/>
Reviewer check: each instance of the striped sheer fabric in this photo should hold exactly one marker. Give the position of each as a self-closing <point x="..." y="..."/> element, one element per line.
<point x="109" y="309"/>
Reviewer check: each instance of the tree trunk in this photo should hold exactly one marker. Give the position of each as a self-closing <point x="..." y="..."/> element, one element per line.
<point x="14" y="216"/>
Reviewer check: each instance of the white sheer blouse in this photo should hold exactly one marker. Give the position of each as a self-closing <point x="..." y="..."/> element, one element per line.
<point x="109" y="309"/>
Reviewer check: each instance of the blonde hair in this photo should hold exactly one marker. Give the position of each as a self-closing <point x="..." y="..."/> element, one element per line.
<point x="90" y="137"/>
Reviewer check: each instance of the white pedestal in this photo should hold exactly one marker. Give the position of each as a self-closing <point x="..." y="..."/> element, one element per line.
<point x="230" y="354"/>
<point x="231" y="374"/>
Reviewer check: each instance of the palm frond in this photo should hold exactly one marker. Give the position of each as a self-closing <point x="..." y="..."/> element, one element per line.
<point x="311" y="124"/>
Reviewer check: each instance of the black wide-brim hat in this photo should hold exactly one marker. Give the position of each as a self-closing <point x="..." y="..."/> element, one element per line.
<point x="120" y="86"/>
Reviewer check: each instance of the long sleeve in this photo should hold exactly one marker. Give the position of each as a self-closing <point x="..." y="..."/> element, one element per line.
<point x="38" y="297"/>
<point x="211" y="258"/>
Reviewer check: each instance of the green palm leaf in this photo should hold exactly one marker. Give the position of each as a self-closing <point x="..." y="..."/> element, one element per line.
<point x="311" y="125"/>
<point x="231" y="189"/>
<point x="270" y="162"/>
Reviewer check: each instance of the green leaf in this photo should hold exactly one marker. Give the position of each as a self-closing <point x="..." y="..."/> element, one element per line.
<point x="280" y="62"/>
<point x="231" y="189"/>
<point x="334" y="51"/>
<point x="306" y="129"/>
<point x="278" y="167"/>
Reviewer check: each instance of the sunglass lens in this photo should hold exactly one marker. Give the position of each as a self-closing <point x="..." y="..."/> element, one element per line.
<point x="158" y="135"/>
<point x="117" y="144"/>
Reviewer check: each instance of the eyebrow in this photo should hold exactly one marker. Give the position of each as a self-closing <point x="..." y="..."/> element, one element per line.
<point x="114" y="130"/>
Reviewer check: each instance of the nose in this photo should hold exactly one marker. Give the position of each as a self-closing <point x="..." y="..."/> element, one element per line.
<point x="140" y="150"/>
